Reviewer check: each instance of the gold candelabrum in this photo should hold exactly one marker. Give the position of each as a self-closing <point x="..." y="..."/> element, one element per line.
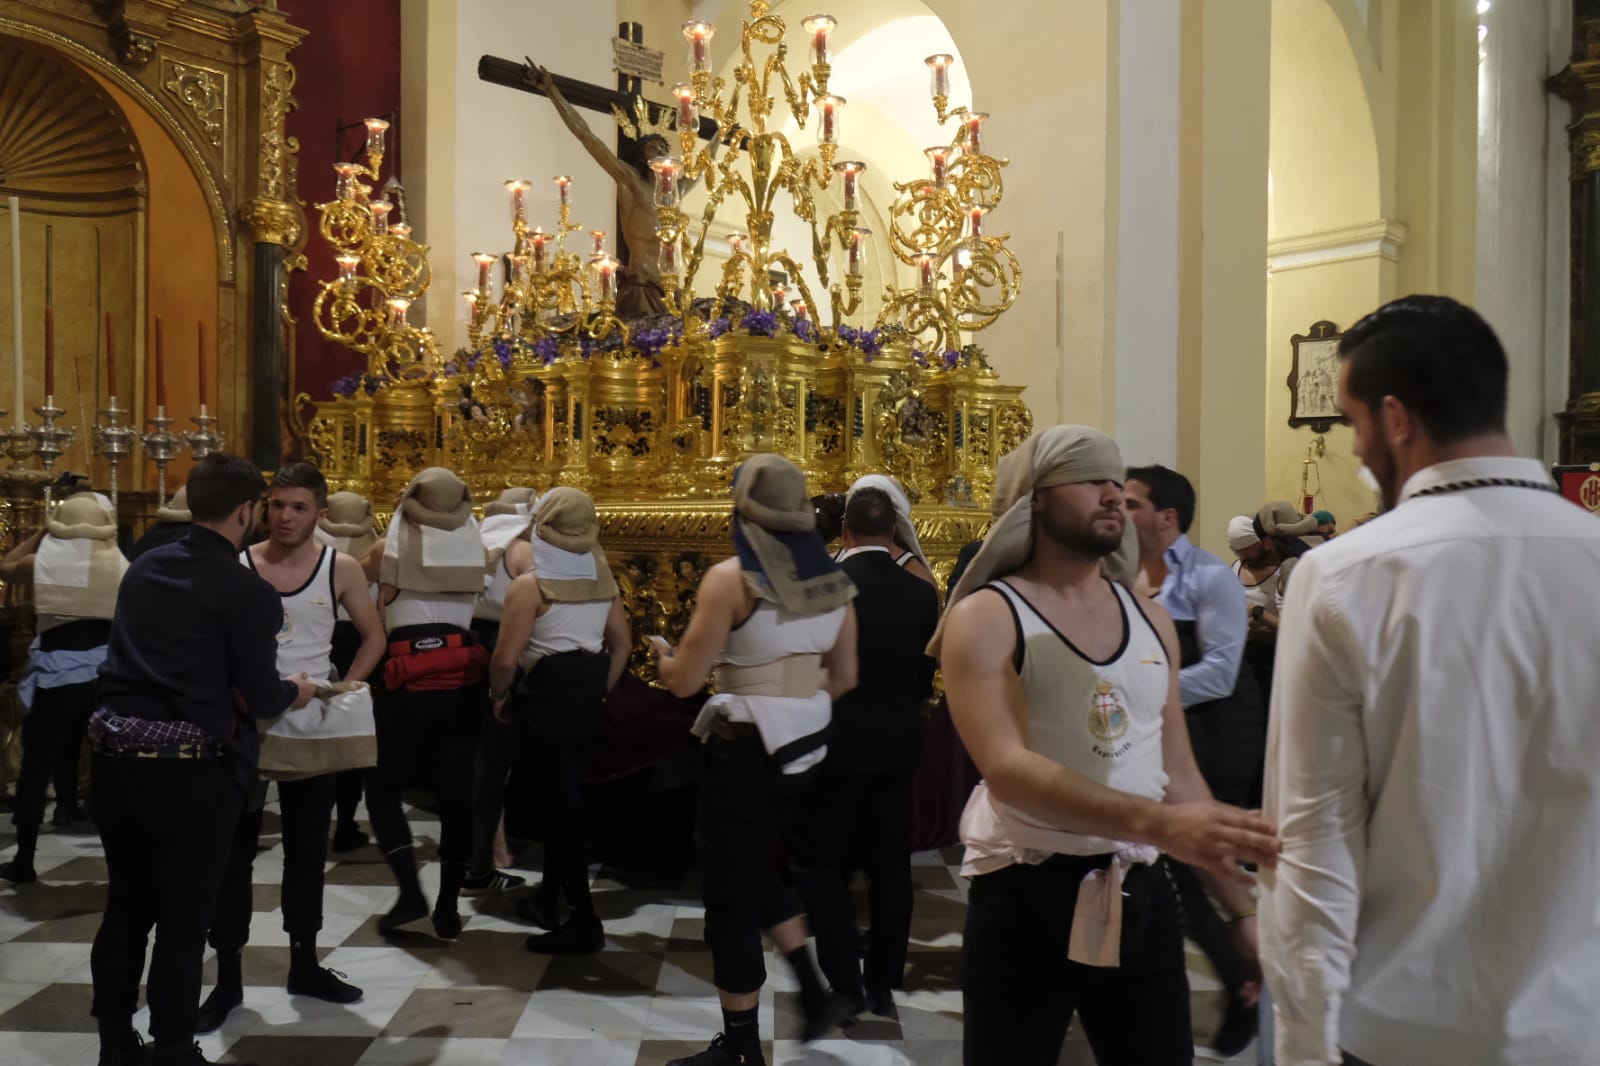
<point x="654" y="412"/>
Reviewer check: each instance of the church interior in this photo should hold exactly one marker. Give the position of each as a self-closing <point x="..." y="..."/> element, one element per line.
<point x="365" y="234"/>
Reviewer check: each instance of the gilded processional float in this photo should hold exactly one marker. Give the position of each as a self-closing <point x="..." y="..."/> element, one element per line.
<point x="651" y="412"/>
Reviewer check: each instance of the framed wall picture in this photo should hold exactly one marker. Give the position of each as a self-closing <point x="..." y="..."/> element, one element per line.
<point x="1314" y="378"/>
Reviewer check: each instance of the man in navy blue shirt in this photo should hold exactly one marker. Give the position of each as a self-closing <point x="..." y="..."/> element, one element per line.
<point x="191" y="665"/>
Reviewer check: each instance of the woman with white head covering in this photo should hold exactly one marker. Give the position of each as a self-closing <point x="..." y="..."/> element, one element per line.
<point x="563" y="644"/>
<point x="776" y="624"/>
<point x="75" y="568"/>
<point x="910" y="554"/>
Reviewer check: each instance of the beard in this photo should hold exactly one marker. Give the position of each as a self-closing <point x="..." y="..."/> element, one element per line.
<point x="1082" y="537"/>
<point x="1382" y="464"/>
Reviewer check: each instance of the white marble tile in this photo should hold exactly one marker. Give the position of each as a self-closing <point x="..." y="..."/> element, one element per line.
<point x="285" y="1015"/>
<point x="428" y="1051"/>
<point x="686" y="1017"/>
<point x="384" y="967"/>
<point x="266" y="928"/>
<point x="565" y="1015"/>
<point x="546" y="1052"/>
<point x="43" y="963"/>
<point x="837" y="1053"/>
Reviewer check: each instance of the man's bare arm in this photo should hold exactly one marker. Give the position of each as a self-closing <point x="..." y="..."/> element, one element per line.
<point x="721" y="594"/>
<point x="355" y="596"/>
<point x="989" y="708"/>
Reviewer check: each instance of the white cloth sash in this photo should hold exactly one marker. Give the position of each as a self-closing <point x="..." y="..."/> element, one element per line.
<point x="779" y="720"/>
<point x="996" y="836"/>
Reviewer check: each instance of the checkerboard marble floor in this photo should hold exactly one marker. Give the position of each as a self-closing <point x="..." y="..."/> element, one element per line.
<point x="645" y="999"/>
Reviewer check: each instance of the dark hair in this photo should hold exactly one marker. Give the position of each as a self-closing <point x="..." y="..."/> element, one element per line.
<point x="639" y="154"/>
<point x="302" y="476"/>
<point x="830" y="515"/>
<point x="219" y="483"/>
<point x="1437" y="357"/>
<point x="1169" y="490"/>
<point x="869" y="513"/>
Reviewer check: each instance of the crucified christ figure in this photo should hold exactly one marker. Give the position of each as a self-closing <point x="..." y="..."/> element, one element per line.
<point x="639" y="290"/>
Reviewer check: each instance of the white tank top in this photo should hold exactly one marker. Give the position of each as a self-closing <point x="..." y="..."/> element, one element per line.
<point x="305" y="640"/>
<point x="429" y="609"/>
<point x="1102" y="720"/>
<point x="770" y="633"/>
<point x="1264" y="594"/>
<point x="492" y="604"/>
<point x="567" y="627"/>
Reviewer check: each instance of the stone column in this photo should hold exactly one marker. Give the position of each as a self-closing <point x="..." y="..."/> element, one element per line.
<point x="276" y="225"/>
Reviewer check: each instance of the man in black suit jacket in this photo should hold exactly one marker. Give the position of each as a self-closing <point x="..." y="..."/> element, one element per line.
<point x="860" y="809"/>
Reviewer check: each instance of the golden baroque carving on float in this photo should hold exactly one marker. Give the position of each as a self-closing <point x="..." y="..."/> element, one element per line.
<point x="202" y="91"/>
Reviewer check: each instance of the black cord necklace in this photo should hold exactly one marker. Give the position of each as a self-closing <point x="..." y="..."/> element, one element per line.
<point x="1484" y="483"/>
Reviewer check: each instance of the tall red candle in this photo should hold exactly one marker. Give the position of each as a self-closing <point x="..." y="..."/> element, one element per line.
<point x="49" y="351"/>
<point x="161" y="366"/>
<point x="111" y="359"/>
<point x="200" y="350"/>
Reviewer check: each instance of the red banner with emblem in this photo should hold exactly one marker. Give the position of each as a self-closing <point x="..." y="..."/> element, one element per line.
<point x="1581" y="485"/>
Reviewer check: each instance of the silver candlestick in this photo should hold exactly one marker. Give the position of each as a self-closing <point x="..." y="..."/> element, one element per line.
<point x="205" y="440"/>
<point x="160" y="446"/>
<point x="113" y="441"/>
<point x="46" y="440"/>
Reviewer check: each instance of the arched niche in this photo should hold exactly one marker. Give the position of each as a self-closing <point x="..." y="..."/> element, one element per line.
<point x="68" y="152"/>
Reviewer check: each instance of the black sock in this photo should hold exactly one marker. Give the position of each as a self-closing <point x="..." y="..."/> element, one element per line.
<point x="302" y="954"/>
<point x="27" y="845"/>
<point x="812" y="993"/>
<point x="450" y="875"/>
<point x="230" y="968"/>
<point x="742" y="1031"/>
<point x="403" y="861"/>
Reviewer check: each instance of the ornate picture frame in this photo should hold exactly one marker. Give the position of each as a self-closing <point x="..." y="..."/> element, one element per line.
<point x="1314" y="378"/>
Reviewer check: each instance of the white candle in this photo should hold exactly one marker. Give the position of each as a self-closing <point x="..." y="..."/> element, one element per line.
<point x="484" y="261"/>
<point x="18" y="399"/>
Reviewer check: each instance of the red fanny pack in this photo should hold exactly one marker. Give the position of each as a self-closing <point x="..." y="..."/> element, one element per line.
<point x="455" y="665"/>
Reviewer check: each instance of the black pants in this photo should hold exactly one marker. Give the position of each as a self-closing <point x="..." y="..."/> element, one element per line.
<point x="1020" y="990"/>
<point x="165" y="826"/>
<point x="866" y="816"/>
<point x="746" y="806"/>
<point x="348" y="783"/>
<point x="307" y="811"/>
<point x="425" y="736"/>
<point x="52" y="735"/>
<point x="1203" y="925"/>
<point x="497" y="745"/>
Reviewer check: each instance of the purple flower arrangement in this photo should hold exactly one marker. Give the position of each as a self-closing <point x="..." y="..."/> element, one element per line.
<point x="866" y="341"/>
<point x="350" y="384"/>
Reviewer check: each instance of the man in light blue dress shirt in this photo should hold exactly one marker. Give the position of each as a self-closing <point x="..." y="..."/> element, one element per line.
<point x="1227" y="725"/>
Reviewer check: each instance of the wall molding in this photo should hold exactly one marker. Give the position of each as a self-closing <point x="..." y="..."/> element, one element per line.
<point x="1380" y="239"/>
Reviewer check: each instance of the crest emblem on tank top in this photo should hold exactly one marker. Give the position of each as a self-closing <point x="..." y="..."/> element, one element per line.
<point x="1108" y="720"/>
<point x="286" y="630"/>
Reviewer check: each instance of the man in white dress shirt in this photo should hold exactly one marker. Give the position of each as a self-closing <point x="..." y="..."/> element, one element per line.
<point x="1431" y="756"/>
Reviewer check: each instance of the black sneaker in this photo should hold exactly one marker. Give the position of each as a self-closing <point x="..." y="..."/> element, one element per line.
<point x="880" y="1001"/>
<point x="349" y="838"/>
<point x="323" y="983"/>
<point x="18" y="873"/>
<point x="410" y="908"/>
<point x="719" y="1054"/>
<point x="493" y="881"/>
<point x="824" y="1016"/>
<point x="216" y="1008"/>
<point x="129" y="1051"/>
<point x="573" y="937"/>
<point x="446" y="924"/>
<point x="66" y="814"/>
